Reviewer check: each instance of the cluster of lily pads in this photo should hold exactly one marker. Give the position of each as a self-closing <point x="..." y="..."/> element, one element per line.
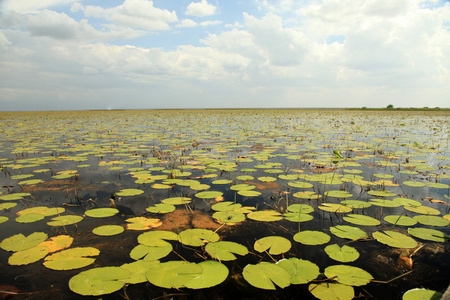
<point x="293" y="167"/>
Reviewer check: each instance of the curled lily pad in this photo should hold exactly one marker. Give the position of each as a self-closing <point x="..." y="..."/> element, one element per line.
<point x="197" y="237"/>
<point x="310" y="237"/>
<point x="395" y="239"/>
<point x="99" y="281"/>
<point x="225" y="250"/>
<point x="102" y="212"/>
<point x="74" y="258"/>
<point x="348" y="275"/>
<point x="108" y="230"/>
<point x="275" y="244"/>
<point x="342" y="254"/>
<point x="20" y="242"/>
<point x="266" y="275"/>
<point x="301" y="271"/>
<point x="331" y="291"/>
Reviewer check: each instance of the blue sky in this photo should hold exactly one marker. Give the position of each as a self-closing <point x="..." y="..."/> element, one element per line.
<point x="65" y="54"/>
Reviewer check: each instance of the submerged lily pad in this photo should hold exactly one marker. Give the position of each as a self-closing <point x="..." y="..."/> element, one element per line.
<point x="275" y="244"/>
<point x="99" y="281"/>
<point x="266" y="275"/>
<point x="301" y="270"/>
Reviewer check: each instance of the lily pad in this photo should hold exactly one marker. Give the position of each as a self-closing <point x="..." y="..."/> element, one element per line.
<point x="213" y="273"/>
<point x="197" y="237"/>
<point x="208" y="194"/>
<point x="249" y="193"/>
<point x="229" y="217"/>
<point x="108" y="230"/>
<point x="173" y="274"/>
<point x="14" y="196"/>
<point x="138" y="270"/>
<point x="342" y="254"/>
<point x="356" y="204"/>
<point x="102" y="212"/>
<point x="150" y="253"/>
<point x="300" y="184"/>
<point x="301" y="270"/>
<point x="431" y="220"/>
<point x="422" y="294"/>
<point x="20" y="242"/>
<point x="310" y="237"/>
<point x="70" y="259"/>
<point x="395" y="239"/>
<point x="129" y="192"/>
<point x="348" y="232"/>
<point x="425" y="210"/>
<point x="381" y="193"/>
<point x="428" y="234"/>
<point x="7" y="205"/>
<point x="225" y="206"/>
<point x="265" y="216"/>
<point x="335" y="208"/>
<point x="57" y="243"/>
<point x="161" y="208"/>
<point x="414" y="184"/>
<point x="29" y="218"/>
<point x="400" y="220"/>
<point x="348" y="275"/>
<point x="266" y="275"/>
<point x="338" y="194"/>
<point x="275" y="244"/>
<point x="331" y="291"/>
<point x="177" y="200"/>
<point x="384" y="203"/>
<point x="99" y="281"/>
<point x="142" y="223"/>
<point x="157" y="237"/>
<point x="300" y="208"/>
<point x="361" y="220"/>
<point x="297" y="217"/>
<point x="225" y="250"/>
<point x="65" y="220"/>
<point x="28" y="256"/>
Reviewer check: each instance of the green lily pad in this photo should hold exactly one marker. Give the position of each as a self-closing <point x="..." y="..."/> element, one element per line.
<point x="225" y="206"/>
<point x="138" y="270"/>
<point x="161" y="186"/>
<point x="435" y="185"/>
<point x="213" y="273"/>
<point x="425" y="210"/>
<point x="108" y="230"/>
<point x="356" y="204"/>
<point x="331" y="291"/>
<point x="161" y="208"/>
<point x="275" y="244"/>
<point x="197" y="237"/>
<point x="229" y="217"/>
<point x="65" y="220"/>
<point x="266" y="275"/>
<point x="129" y="192"/>
<point x="142" y="223"/>
<point x="307" y="195"/>
<point x="395" y="239"/>
<point x="222" y="181"/>
<point x="422" y="294"/>
<point x="338" y="194"/>
<point x="265" y="216"/>
<point x="42" y="210"/>
<point x="301" y="270"/>
<point x="177" y="200"/>
<point x="70" y="259"/>
<point x="267" y="179"/>
<point x="297" y="217"/>
<point x="348" y="232"/>
<point x="310" y="237"/>
<point x="208" y="194"/>
<point x="342" y="254"/>
<point x="242" y="187"/>
<point x="20" y="242"/>
<point x="14" y="196"/>
<point x="157" y="237"/>
<point x="361" y="220"/>
<point x="407" y="202"/>
<point x="300" y="208"/>
<point x="173" y="274"/>
<point x="224" y="250"/>
<point x="300" y="184"/>
<point x="29" y="218"/>
<point x="334" y="207"/>
<point x="249" y="193"/>
<point x="381" y="193"/>
<point x="245" y="177"/>
<point x="414" y="184"/>
<point x="7" y="205"/>
<point x="150" y="253"/>
<point x="28" y="256"/>
<point x="400" y="220"/>
<point x="99" y="281"/>
<point x="348" y="275"/>
<point x="30" y="182"/>
<point x="3" y="219"/>
<point x="101" y="212"/>
<point x="384" y="203"/>
<point x="431" y="220"/>
<point x="428" y="234"/>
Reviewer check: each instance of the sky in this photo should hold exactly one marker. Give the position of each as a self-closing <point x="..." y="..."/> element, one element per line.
<point x="141" y="54"/>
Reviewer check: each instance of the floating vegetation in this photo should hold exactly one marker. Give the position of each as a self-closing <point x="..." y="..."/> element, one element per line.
<point x="231" y="201"/>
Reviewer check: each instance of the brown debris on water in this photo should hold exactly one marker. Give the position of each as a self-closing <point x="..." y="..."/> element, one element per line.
<point x="182" y="219"/>
<point x="265" y="185"/>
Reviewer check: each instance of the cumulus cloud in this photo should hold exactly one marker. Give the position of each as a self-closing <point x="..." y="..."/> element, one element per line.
<point x="135" y="14"/>
<point x="200" y="9"/>
<point x="25" y="6"/>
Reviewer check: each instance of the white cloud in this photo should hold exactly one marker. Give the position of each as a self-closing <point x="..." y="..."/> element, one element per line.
<point x="187" y="23"/>
<point x="135" y="14"/>
<point x="200" y="9"/>
<point x="25" y="6"/>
